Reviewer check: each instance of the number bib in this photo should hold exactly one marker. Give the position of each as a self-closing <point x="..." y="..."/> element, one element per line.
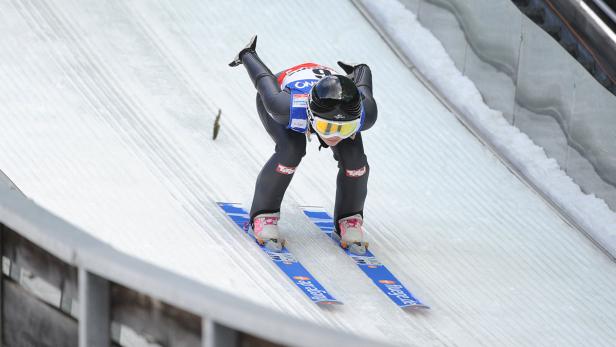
<point x="300" y="79"/>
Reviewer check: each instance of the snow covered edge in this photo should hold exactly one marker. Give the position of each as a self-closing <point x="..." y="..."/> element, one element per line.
<point x="429" y="56"/>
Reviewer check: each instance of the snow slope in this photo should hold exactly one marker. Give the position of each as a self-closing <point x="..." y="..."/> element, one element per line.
<point x="107" y="112"/>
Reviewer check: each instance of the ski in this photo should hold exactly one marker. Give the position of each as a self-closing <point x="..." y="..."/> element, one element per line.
<point x="369" y="264"/>
<point x="284" y="259"/>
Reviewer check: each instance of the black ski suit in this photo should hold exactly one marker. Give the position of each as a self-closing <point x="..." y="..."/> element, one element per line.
<point x="273" y="106"/>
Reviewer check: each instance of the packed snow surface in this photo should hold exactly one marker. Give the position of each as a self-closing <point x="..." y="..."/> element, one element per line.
<point x="107" y="112"/>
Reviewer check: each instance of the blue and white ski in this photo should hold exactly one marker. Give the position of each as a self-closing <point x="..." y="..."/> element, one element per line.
<point x="377" y="272"/>
<point x="283" y="258"/>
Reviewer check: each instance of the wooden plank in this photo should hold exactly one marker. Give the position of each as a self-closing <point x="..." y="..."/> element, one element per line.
<point x="164" y="324"/>
<point x="40" y="263"/>
<point x="31" y="322"/>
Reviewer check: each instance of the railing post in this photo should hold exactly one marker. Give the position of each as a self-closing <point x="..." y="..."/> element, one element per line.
<point x="94" y="306"/>
<point x="216" y="335"/>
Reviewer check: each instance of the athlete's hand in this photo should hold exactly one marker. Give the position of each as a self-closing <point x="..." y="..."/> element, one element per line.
<point x="353" y="70"/>
<point x="347" y="67"/>
<point x="250" y="47"/>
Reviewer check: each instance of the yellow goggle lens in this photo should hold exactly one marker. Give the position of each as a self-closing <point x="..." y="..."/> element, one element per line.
<point x="348" y="129"/>
<point x="326" y="127"/>
<point x="323" y="126"/>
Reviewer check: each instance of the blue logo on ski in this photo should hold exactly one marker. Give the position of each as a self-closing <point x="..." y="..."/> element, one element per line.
<point x="285" y="260"/>
<point x="369" y="264"/>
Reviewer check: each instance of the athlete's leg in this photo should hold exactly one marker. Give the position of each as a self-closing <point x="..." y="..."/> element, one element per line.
<point x="277" y="173"/>
<point x="352" y="181"/>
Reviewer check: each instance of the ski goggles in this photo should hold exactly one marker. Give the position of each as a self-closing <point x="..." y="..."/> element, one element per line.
<point x="329" y="128"/>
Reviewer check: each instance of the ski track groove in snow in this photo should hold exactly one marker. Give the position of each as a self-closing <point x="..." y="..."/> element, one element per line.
<point x="108" y="109"/>
<point x="163" y="157"/>
<point x="218" y="193"/>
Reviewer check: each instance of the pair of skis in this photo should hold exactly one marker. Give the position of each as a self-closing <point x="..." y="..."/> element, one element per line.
<point x="296" y="272"/>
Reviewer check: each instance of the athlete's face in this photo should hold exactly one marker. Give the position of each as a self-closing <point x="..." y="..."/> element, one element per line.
<point x="332" y="141"/>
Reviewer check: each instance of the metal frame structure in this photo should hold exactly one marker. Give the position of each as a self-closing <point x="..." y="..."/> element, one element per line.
<point x="606" y="8"/>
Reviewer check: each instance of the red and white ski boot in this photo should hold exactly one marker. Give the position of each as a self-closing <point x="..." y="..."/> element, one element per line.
<point x="352" y="234"/>
<point x="265" y="230"/>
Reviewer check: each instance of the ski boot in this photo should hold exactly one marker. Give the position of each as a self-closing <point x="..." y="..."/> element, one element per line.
<point x="351" y="235"/>
<point x="265" y="231"/>
<point x="250" y="47"/>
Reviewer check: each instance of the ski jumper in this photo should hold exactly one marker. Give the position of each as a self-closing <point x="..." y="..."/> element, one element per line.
<point x="281" y="105"/>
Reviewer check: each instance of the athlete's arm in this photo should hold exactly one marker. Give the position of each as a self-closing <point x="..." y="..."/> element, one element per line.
<point x="362" y="76"/>
<point x="277" y="102"/>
